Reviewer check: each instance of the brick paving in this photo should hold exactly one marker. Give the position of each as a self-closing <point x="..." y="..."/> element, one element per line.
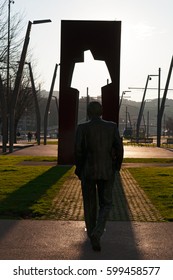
<point x="130" y="203"/>
<point x="136" y="203"/>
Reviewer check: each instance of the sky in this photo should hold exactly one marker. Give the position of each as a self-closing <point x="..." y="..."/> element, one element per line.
<point x="146" y="42"/>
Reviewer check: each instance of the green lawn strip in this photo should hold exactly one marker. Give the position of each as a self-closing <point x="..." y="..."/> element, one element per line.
<point x="157" y="182"/>
<point x="148" y="160"/>
<point x="40" y="158"/>
<point x="27" y="191"/>
<point x="50" y="142"/>
<point x="13" y="160"/>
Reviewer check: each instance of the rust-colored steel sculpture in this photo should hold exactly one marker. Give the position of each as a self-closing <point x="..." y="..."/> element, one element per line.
<point x="102" y="38"/>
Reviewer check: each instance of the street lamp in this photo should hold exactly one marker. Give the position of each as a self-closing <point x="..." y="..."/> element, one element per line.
<point x="8" y="45"/>
<point x="158" y="108"/>
<point x="19" y="77"/>
<point x="57" y="107"/>
<point x="37" y="109"/>
<point x="41" y="21"/>
<point x="48" y="102"/>
<point x="124" y="92"/>
<point x="143" y="102"/>
<point x="164" y="96"/>
<point x="5" y="101"/>
<point x="23" y="56"/>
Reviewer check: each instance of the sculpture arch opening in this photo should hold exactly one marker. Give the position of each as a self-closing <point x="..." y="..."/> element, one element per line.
<point x="92" y="74"/>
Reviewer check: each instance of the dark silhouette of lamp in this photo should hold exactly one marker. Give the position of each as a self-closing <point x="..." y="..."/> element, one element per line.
<point x="19" y="77"/>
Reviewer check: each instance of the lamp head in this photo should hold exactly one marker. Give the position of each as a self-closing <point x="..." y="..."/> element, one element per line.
<point x="41" y="21"/>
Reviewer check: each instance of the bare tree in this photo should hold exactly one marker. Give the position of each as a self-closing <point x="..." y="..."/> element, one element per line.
<point x="25" y="97"/>
<point x="14" y="41"/>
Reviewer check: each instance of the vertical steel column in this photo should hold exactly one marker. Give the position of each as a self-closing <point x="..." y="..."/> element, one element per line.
<point x="48" y="104"/>
<point x="158" y="111"/>
<point x="141" y="110"/>
<point x="37" y="109"/>
<point x="17" y="85"/>
<point x="162" y="107"/>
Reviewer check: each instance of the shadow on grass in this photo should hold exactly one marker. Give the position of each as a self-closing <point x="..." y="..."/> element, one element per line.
<point x="19" y="203"/>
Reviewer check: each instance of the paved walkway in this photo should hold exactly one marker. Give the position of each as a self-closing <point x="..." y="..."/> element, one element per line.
<point x="129" y="151"/>
<point x="135" y="229"/>
<point x="130" y="202"/>
<point x="67" y="240"/>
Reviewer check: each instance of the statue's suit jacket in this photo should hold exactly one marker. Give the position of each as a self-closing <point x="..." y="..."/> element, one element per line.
<point x="98" y="149"/>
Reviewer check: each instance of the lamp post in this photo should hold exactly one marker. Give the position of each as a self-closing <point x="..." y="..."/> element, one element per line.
<point x="158" y="107"/>
<point x="5" y="100"/>
<point x="48" y="103"/>
<point x="8" y="44"/>
<point x="3" y="116"/>
<point x="143" y="102"/>
<point x="18" y="79"/>
<point x="26" y="120"/>
<point x="162" y="107"/>
<point x="57" y="107"/>
<point x="158" y="111"/>
<point x="141" y="110"/>
<point x="37" y="109"/>
<point x="121" y="99"/>
<point x="126" y="117"/>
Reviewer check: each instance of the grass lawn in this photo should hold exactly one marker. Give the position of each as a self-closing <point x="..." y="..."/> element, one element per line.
<point x="13" y="160"/>
<point x="157" y="182"/>
<point x="50" y="142"/>
<point x="28" y="191"/>
<point x="148" y="160"/>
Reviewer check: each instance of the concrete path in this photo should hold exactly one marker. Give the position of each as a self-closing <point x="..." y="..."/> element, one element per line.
<point x="147" y="152"/>
<point x="60" y="240"/>
<point x="34" y="150"/>
<point x="130" y="233"/>
<point x="129" y="151"/>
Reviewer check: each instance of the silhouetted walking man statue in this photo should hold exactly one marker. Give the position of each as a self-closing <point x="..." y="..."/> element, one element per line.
<point x="98" y="154"/>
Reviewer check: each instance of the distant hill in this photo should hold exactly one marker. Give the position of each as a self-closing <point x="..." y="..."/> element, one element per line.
<point x="128" y="112"/>
<point x="131" y="109"/>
